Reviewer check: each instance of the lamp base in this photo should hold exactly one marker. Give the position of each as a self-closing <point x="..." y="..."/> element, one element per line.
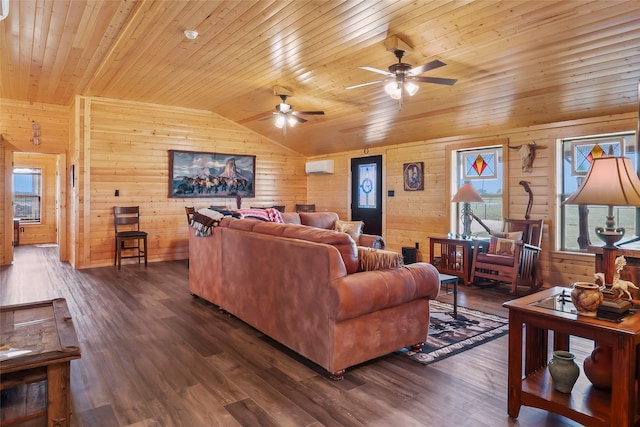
<point x="609" y="251"/>
<point x="610" y="237"/>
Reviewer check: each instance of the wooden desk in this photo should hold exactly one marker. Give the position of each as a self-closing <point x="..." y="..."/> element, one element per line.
<point x="455" y="256"/>
<point x="533" y="385"/>
<point x="45" y="329"/>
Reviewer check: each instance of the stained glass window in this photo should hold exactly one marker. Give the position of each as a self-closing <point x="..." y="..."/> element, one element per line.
<point x="480" y="164"/>
<point x="367" y="178"/>
<point x="577" y="156"/>
<point x="483" y="168"/>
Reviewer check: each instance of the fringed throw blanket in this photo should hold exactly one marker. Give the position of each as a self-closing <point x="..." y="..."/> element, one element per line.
<point x="370" y="259"/>
<point x="204" y="220"/>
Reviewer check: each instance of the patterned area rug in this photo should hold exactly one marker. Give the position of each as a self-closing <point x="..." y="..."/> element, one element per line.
<point x="449" y="336"/>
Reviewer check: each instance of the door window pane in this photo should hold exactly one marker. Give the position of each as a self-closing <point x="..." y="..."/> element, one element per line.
<point x="367" y="175"/>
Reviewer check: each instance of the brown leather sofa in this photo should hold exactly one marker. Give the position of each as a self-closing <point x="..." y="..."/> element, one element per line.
<point x="300" y="286"/>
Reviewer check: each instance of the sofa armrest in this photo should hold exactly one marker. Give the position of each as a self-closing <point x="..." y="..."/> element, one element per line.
<point x="365" y="292"/>
<point x="372" y="241"/>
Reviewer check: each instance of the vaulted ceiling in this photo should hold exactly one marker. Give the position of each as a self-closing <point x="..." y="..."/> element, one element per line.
<point x="517" y="63"/>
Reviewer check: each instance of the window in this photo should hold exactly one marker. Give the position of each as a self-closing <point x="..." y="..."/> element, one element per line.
<point x="27" y="194"/>
<point x="578" y="223"/>
<point x="483" y="168"/>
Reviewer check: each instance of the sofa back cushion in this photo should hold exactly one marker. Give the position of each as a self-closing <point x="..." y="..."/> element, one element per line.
<point x="341" y="241"/>
<point x="291" y="218"/>
<point x="324" y="220"/>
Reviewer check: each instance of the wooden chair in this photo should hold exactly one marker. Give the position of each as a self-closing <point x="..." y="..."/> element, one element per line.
<point x="190" y="210"/>
<point x="127" y="228"/>
<point x="305" y="208"/>
<point x="516" y="269"/>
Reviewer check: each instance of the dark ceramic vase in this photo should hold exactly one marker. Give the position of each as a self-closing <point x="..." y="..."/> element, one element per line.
<point x="564" y="371"/>
<point x="597" y="367"/>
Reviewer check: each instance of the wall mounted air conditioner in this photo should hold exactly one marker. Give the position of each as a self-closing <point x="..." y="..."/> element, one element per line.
<point x="319" y="166"/>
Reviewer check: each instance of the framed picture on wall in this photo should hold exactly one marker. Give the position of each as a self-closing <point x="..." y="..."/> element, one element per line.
<point x="195" y="174"/>
<point x="413" y="176"/>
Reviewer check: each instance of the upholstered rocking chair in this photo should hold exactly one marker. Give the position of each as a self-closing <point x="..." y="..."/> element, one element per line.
<point x="510" y="256"/>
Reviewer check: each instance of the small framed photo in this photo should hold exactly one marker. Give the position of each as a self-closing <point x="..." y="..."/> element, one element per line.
<point x="413" y="176"/>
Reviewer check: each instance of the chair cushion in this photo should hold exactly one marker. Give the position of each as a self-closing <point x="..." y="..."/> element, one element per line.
<point x="131" y="234"/>
<point x="507" y="261"/>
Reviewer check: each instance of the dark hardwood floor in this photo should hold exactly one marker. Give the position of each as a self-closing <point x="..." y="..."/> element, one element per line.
<point x="152" y="355"/>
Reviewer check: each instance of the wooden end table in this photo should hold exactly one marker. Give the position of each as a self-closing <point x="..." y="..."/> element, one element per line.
<point x="533" y="385"/>
<point x="456" y="256"/>
<point x="44" y="330"/>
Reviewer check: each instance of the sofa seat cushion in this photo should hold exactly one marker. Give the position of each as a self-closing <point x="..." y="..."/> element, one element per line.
<point x="370" y="259"/>
<point x="496" y="259"/>
<point x="369" y="291"/>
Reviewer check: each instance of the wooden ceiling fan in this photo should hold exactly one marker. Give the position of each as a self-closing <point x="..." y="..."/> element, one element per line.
<point x="401" y="78"/>
<point x="284" y="114"/>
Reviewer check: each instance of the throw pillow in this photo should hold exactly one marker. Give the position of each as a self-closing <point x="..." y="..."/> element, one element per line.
<point x="516" y="235"/>
<point x="370" y="259"/>
<point x="500" y="246"/>
<point x="352" y="228"/>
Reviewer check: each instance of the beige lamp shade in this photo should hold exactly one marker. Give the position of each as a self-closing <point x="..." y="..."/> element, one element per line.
<point x="467" y="194"/>
<point x="611" y="181"/>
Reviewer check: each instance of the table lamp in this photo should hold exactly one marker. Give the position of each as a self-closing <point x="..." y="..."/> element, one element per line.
<point x="610" y="181"/>
<point x="465" y="195"/>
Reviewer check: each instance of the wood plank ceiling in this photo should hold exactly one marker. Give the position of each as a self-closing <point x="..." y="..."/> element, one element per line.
<point x="518" y="63"/>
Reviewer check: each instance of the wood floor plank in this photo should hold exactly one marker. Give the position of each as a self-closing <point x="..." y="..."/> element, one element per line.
<point x="153" y="355"/>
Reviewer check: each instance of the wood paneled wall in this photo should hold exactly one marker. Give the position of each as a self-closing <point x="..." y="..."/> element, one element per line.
<point x="45" y="231"/>
<point x="411" y="217"/>
<point x="17" y="118"/>
<point x="6" y="215"/>
<point x="123" y="145"/>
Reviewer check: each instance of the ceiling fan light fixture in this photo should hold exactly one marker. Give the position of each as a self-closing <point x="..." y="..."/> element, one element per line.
<point x="411" y="88"/>
<point x="280" y="121"/>
<point x="394" y="89"/>
<point x="292" y="121"/>
<point x="284" y="107"/>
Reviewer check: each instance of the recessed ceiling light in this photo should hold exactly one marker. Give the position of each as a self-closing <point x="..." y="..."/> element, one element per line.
<point x="190" y="34"/>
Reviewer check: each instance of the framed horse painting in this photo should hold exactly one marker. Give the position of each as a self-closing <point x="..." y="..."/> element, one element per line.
<point x="195" y="174"/>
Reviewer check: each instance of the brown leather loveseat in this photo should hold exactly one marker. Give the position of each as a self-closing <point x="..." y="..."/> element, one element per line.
<point x="301" y="286"/>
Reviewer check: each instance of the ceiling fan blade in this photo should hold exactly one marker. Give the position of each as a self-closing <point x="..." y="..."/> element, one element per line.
<point x="364" y="84"/>
<point x="315" y="113"/>
<point x="376" y="70"/>
<point x="299" y="119"/>
<point x="426" y="67"/>
<point x="436" y="80"/>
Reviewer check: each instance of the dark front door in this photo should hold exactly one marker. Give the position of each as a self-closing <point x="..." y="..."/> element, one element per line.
<point x="366" y="193"/>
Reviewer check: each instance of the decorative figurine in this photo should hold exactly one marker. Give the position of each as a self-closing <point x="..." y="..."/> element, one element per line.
<point x="621" y="287"/>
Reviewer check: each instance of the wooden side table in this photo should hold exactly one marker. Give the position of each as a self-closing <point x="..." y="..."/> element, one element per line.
<point x="532" y="386"/>
<point x="44" y="332"/>
<point x="456" y="256"/>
